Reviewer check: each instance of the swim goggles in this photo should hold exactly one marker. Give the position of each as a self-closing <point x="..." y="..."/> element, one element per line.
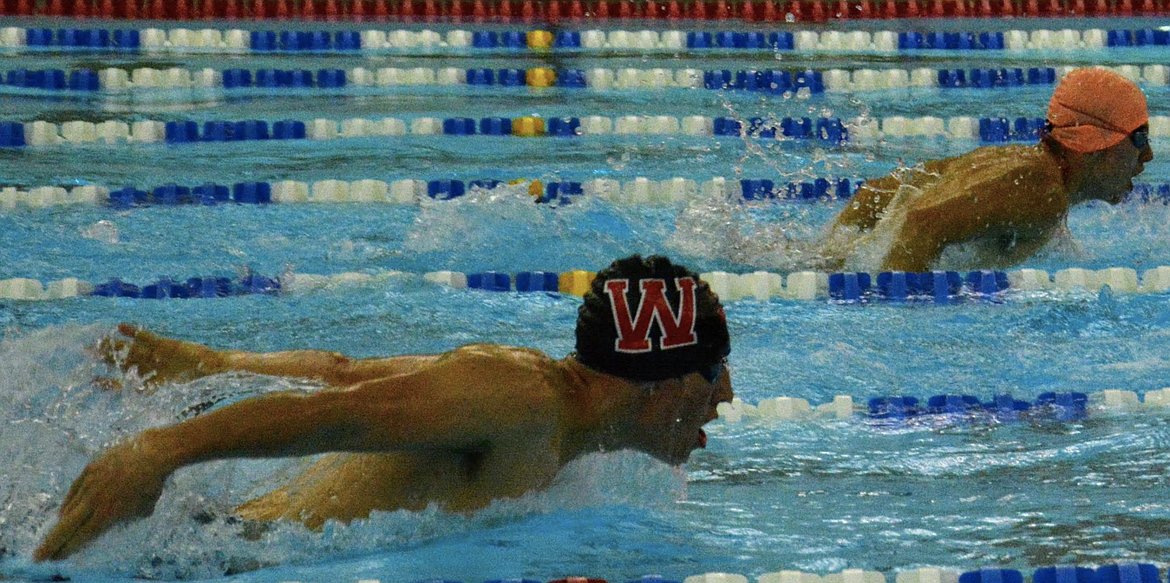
<point x="1140" y="138"/>
<point x="711" y="373"/>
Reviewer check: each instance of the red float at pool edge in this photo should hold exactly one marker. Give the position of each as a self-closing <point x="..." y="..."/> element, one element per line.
<point x="456" y="11"/>
<point x="432" y="12"/>
<point x="554" y="11"/>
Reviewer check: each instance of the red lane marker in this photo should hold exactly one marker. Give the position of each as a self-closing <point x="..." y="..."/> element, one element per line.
<point x="818" y="12"/>
<point x="626" y="10"/>
<point x="432" y="12"/>
<point x="769" y="13"/>
<point x="601" y="9"/>
<point x="381" y="11"/>
<point x="456" y="10"/>
<point x="747" y="11"/>
<point x="480" y="11"/>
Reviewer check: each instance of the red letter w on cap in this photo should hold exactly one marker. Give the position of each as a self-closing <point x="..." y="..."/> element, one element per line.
<point x="634" y="333"/>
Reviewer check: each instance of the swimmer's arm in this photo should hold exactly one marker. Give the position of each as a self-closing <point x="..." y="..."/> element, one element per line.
<point x="462" y="404"/>
<point x="162" y="360"/>
<point x="1025" y="203"/>
<point x="867" y="204"/>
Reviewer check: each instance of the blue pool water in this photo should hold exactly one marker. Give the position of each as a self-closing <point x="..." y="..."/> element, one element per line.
<point x="819" y="496"/>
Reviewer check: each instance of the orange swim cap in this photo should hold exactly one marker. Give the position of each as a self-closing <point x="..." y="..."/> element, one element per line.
<point x="1093" y="109"/>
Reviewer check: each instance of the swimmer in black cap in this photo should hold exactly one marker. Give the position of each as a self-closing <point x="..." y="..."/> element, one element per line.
<point x="460" y="429"/>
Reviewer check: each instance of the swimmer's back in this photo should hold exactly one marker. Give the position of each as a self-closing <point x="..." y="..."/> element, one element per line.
<point x="990" y="168"/>
<point x="994" y="187"/>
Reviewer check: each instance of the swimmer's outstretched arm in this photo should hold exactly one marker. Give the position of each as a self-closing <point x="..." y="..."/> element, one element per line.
<point x="460" y="403"/>
<point x="162" y="360"/>
<point x="1027" y="204"/>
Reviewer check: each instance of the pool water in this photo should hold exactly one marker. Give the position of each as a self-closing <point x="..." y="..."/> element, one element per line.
<point x="818" y="496"/>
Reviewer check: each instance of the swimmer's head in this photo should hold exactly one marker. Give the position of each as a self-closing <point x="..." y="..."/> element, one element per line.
<point x="651" y="320"/>
<point x="1093" y="109"/>
<point x="1099" y="125"/>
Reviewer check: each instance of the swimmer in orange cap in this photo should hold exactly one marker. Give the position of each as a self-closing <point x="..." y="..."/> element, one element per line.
<point x="1003" y="203"/>
<point x="458" y="429"/>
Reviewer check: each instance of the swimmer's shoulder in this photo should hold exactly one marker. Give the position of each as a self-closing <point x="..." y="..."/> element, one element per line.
<point x="1015" y="165"/>
<point x="989" y="156"/>
<point x="484" y="351"/>
<point x="510" y="363"/>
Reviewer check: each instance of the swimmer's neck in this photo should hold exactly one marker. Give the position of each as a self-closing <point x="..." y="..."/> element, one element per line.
<point x="1076" y="177"/>
<point x="601" y="411"/>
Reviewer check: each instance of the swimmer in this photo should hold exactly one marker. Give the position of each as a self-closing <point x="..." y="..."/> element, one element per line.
<point x="1006" y="201"/>
<point x="460" y="429"/>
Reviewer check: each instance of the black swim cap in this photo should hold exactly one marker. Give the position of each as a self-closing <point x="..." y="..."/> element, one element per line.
<point x="650" y="320"/>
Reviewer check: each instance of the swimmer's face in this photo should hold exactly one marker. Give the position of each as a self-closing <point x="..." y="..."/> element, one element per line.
<point x="1114" y="168"/>
<point x="675" y="412"/>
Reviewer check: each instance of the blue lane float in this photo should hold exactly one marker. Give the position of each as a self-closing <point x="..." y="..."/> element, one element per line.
<point x="849" y="287"/>
<point x="770" y="81"/>
<point x="489" y="281"/>
<point x="1067" y="406"/>
<point x="561" y="192"/>
<point x="537" y="281"/>
<point x="992" y="576"/>
<point x="564" y="127"/>
<point x="1127" y="573"/>
<point x="953" y="41"/>
<point x="898" y="286"/>
<point x="12" y="135"/>
<point x="1064" y="574"/>
<point x="445" y="189"/>
<point x="495" y="126"/>
<point x="204" y="194"/>
<point x="190" y="288"/>
<point x="1071" y="406"/>
<point x="165" y="288"/>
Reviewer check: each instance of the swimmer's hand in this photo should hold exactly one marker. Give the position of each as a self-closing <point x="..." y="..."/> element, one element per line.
<point x="158" y="360"/>
<point x="122" y="484"/>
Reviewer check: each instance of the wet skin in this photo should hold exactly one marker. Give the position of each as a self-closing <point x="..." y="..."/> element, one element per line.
<point x="460" y="429"/>
<point x="1009" y="200"/>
